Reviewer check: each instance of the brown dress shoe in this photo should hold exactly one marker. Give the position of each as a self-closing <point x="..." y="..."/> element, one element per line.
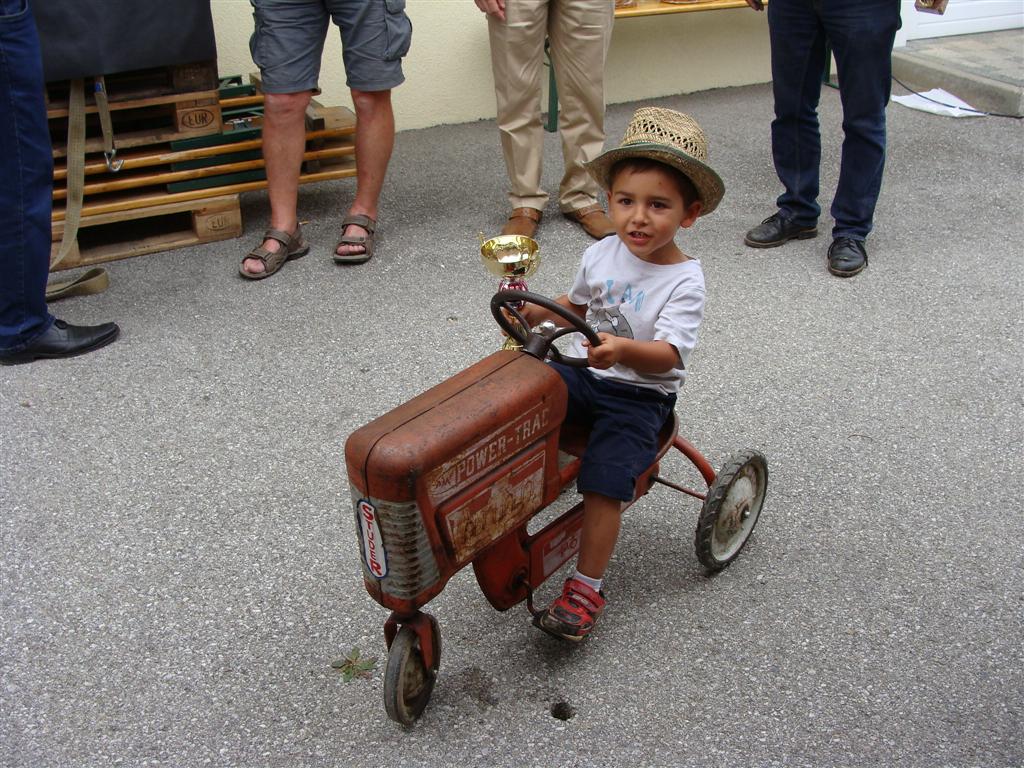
<point x="593" y="219"/>
<point x="522" y="221"/>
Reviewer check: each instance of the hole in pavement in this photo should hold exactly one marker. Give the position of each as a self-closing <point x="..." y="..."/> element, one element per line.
<point x="562" y="710"/>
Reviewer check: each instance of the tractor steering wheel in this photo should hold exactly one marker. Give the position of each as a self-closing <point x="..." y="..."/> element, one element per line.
<point x="540" y="345"/>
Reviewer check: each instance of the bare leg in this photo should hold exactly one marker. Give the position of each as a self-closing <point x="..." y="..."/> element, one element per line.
<point x="602" y="517"/>
<point x="375" y="138"/>
<point x="284" y="142"/>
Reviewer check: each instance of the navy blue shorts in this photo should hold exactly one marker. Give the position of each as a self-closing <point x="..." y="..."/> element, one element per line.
<point x="624" y="422"/>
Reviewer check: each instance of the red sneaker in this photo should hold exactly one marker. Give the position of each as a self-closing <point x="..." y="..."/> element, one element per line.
<point x="574" y="614"/>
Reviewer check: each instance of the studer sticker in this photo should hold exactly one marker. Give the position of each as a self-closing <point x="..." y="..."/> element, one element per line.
<point x="374" y="556"/>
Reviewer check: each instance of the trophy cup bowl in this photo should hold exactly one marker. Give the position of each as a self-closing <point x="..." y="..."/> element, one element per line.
<point x="513" y="258"/>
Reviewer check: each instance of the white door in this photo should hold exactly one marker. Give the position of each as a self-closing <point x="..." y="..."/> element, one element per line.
<point x="962" y="17"/>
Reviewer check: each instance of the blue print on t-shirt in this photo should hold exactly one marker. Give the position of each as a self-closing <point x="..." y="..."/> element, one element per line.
<point x="628" y="297"/>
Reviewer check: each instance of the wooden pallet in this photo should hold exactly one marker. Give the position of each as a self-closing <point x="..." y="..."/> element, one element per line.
<point x="180" y="171"/>
<point x="116" y="203"/>
<point x="146" y="121"/>
<point x="144" y="83"/>
<point x="332" y="128"/>
<point x="146" y="107"/>
<point x="182" y="189"/>
<point x="159" y="227"/>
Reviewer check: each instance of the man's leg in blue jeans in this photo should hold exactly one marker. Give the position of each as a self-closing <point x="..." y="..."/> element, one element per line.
<point x="798" y="60"/>
<point x="27" y="330"/>
<point x="26" y="168"/>
<point x="862" y="36"/>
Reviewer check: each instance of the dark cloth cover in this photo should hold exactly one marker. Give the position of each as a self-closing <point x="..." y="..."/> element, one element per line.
<point x="83" y="38"/>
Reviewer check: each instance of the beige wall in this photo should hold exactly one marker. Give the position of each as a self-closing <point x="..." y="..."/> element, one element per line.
<point x="448" y="70"/>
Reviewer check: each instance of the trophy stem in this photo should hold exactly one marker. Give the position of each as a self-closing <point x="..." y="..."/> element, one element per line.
<point x="513" y="284"/>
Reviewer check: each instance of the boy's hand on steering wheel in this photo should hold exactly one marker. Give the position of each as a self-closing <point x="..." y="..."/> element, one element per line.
<point x="607" y="354"/>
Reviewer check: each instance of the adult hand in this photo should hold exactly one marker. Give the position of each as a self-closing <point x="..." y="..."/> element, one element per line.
<point x="757" y="5"/>
<point x="607" y="354"/>
<point x="496" y="8"/>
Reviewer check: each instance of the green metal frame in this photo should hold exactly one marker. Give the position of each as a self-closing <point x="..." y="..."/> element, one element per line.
<point x="552" y="122"/>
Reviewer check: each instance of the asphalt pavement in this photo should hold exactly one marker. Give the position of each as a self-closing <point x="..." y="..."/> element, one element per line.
<point x="180" y="565"/>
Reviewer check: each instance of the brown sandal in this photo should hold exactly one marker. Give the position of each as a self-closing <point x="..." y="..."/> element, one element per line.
<point x="366" y="241"/>
<point x="292" y="247"/>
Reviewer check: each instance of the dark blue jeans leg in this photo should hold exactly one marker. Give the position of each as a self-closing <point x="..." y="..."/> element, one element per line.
<point x="26" y="171"/>
<point x="798" y="61"/>
<point x="862" y="35"/>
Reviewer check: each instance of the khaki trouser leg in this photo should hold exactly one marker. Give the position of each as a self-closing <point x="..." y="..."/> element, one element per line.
<point x="580" y="32"/>
<point x="517" y="59"/>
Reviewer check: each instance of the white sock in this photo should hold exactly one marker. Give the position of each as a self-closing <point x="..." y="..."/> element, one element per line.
<point x="594" y="584"/>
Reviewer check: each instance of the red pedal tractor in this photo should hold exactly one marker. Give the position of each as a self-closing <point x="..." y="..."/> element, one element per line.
<point x="453" y="476"/>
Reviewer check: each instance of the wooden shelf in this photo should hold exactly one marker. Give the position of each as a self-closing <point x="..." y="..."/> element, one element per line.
<point x="656" y="7"/>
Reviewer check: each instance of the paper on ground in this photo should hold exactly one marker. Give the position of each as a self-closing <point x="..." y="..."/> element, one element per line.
<point x="956" y="107"/>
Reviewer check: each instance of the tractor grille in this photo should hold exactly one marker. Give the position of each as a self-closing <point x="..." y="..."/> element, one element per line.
<point x="411" y="566"/>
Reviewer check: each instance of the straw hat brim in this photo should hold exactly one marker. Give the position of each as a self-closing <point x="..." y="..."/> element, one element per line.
<point x="709" y="184"/>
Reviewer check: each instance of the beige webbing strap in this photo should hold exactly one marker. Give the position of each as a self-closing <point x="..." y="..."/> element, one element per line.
<point x="76" y="169"/>
<point x="95" y="280"/>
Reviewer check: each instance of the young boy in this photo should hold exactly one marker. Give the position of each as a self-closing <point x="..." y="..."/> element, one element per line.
<point x="645" y="299"/>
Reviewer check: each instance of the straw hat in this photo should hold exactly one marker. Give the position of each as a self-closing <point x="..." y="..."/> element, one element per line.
<point x="669" y="137"/>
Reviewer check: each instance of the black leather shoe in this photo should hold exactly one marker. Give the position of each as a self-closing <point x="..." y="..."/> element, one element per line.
<point x="64" y="340"/>
<point x="776" y="230"/>
<point x="847" y="257"/>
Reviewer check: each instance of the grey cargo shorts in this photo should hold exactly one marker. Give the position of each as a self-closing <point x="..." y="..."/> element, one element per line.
<point x="288" y="42"/>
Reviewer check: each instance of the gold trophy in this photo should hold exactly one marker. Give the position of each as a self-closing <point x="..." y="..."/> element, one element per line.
<point x="513" y="258"/>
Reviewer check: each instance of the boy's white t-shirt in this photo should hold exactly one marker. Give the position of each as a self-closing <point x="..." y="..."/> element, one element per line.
<point x="629" y="297"/>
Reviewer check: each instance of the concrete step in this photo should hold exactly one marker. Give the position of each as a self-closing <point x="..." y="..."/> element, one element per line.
<point x="986" y="70"/>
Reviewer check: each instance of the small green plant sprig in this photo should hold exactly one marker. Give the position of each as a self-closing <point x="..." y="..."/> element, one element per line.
<point x="354" y="665"/>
